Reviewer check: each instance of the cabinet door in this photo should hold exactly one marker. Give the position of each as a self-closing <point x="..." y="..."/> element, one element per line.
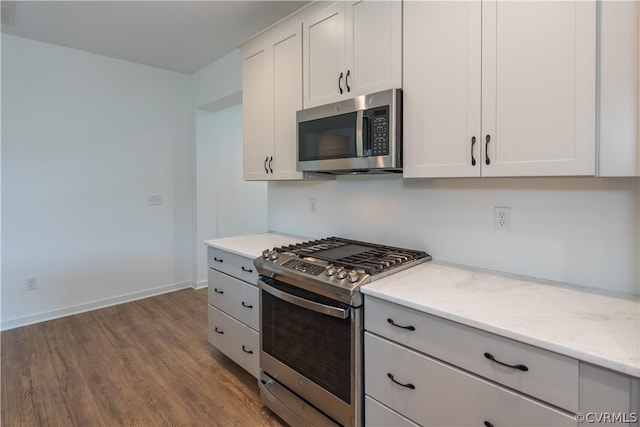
<point x="324" y="56"/>
<point x="286" y="54"/>
<point x="442" y="84"/>
<point x="373" y="46"/>
<point x="255" y="110"/>
<point x="538" y="95"/>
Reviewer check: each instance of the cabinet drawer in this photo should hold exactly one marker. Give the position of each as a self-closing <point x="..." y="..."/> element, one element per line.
<point x="550" y="377"/>
<point x="232" y="264"/>
<point x="236" y="298"/>
<point x="435" y="394"/>
<point x="378" y="415"/>
<point x="237" y="341"/>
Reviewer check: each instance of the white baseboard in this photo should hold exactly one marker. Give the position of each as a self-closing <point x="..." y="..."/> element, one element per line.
<point x="81" y="308"/>
<point x="201" y="284"/>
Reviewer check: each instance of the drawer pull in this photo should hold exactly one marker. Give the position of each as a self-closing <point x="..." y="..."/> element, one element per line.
<point x="218" y="259"/>
<point x="245" y="350"/>
<point x="493" y="359"/>
<point x="246" y="305"/>
<point x="218" y="291"/>
<point x="248" y="270"/>
<point x="408" y="385"/>
<point x="219" y="331"/>
<point x="409" y="328"/>
<point x="488" y="424"/>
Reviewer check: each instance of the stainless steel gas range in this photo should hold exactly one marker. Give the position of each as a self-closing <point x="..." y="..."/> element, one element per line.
<point x="311" y="314"/>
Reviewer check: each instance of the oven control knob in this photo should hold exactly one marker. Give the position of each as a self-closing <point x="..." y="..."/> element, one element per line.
<point x="330" y="271"/>
<point x="341" y="274"/>
<point x="274" y="255"/>
<point x="353" y="276"/>
<point x="266" y="253"/>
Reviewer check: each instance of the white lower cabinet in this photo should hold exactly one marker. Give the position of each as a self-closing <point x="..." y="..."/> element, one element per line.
<point x="549" y="377"/>
<point x="432" y="393"/>
<point x="234" y="308"/>
<point x="427" y="370"/>
<point x="236" y="340"/>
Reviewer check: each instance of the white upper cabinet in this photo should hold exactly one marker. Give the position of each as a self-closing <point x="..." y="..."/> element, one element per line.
<point x="499" y="88"/>
<point x="352" y="48"/>
<point x="286" y="54"/>
<point x="539" y="88"/>
<point x="373" y="45"/>
<point x="324" y="69"/>
<point x="255" y="110"/>
<point x="271" y="95"/>
<point x="442" y="83"/>
<point x="619" y="130"/>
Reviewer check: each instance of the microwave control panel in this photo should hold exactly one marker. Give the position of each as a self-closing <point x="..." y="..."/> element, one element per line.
<point x="379" y="131"/>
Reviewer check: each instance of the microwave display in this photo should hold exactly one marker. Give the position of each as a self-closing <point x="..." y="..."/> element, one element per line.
<point x="329" y="138"/>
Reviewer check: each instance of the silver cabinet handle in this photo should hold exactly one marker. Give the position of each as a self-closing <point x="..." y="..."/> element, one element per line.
<point x="301" y="302"/>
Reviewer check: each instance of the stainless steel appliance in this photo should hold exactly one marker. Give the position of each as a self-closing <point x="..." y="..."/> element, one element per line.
<point x="311" y="314"/>
<point x="358" y="135"/>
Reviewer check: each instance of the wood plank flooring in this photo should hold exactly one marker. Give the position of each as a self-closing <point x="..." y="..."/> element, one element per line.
<point x="143" y="363"/>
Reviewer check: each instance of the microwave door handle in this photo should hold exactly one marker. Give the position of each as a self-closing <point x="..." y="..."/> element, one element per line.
<point x="368" y="136"/>
<point x="359" y="139"/>
<point x="301" y="302"/>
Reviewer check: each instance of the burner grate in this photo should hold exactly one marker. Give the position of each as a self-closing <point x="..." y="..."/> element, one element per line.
<point x="371" y="258"/>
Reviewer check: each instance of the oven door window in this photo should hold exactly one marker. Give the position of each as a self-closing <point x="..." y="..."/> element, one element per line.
<point x="315" y="345"/>
<point x="328" y="138"/>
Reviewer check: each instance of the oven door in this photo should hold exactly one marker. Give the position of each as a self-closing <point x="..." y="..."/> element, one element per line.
<point x="313" y="346"/>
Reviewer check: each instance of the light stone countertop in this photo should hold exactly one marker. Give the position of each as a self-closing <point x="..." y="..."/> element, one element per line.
<point x="252" y="245"/>
<point x="589" y="325"/>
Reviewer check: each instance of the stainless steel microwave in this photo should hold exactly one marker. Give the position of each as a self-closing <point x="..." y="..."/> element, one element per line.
<point x="358" y="135"/>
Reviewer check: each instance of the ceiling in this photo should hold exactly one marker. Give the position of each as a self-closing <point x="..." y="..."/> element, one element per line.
<point x="182" y="36"/>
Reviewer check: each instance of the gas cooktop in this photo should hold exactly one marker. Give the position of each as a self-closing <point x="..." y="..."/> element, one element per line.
<point x="351" y="254"/>
<point x="334" y="266"/>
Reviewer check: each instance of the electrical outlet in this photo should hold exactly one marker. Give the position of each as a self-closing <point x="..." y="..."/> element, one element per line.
<point x="502" y="218"/>
<point x="313" y="205"/>
<point x="154" y="200"/>
<point x="31" y="283"/>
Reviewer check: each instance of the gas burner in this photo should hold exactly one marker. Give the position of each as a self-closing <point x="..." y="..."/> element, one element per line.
<point x="369" y="258"/>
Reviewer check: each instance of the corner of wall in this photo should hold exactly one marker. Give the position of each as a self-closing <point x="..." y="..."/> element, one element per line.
<point x="219" y="80"/>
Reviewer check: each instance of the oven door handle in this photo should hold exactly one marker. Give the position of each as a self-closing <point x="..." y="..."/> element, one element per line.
<point x="340" y="313"/>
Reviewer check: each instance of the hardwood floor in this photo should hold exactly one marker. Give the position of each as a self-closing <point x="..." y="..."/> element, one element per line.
<point x="143" y="363"/>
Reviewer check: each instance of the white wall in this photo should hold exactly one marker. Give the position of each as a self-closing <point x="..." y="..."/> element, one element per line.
<point x="219" y="83"/>
<point x="583" y="231"/>
<point x="85" y="139"/>
<point x="227" y="205"/>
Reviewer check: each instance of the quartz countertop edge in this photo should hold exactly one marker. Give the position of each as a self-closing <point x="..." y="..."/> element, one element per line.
<point x="252" y="245"/>
<point x="591" y="326"/>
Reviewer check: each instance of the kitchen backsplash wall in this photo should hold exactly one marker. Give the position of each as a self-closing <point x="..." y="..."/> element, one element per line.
<point x="583" y="231"/>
